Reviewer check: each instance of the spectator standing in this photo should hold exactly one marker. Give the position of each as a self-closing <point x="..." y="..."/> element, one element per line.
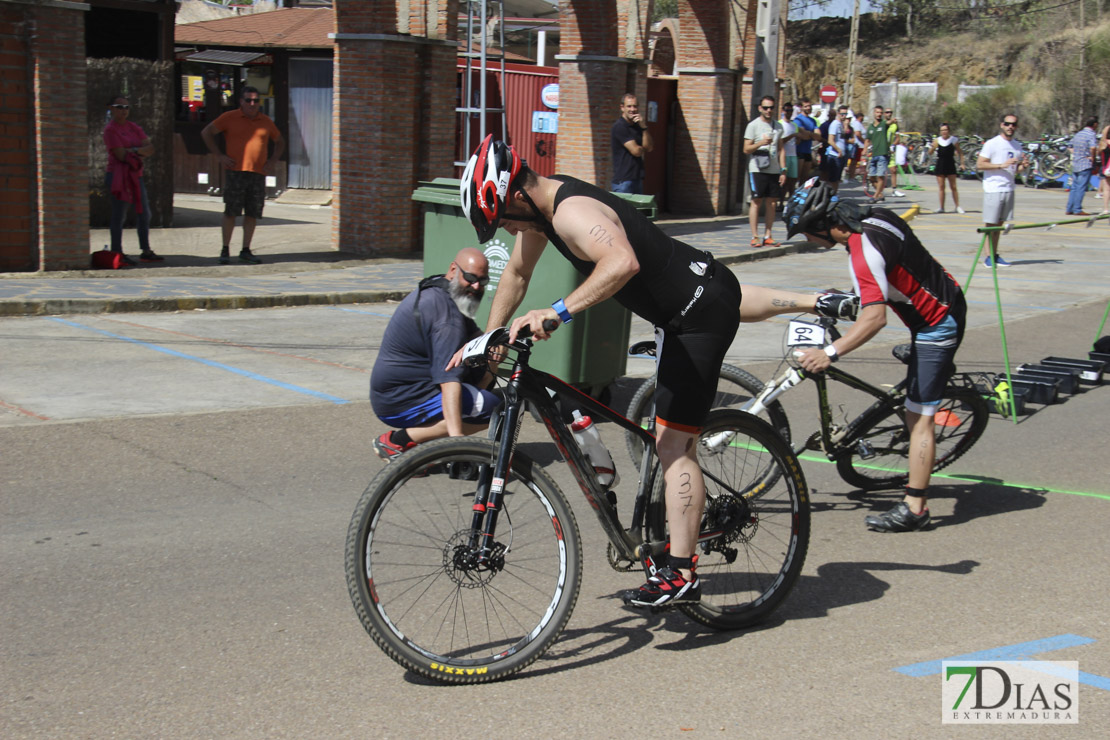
<point x="409" y="387"/>
<point x="1104" y="185"/>
<point x="836" y="148"/>
<point x="806" y="135"/>
<point x="947" y="148"/>
<point x="878" y="153"/>
<point x="1084" y="154"/>
<point x="766" y="169"/>
<point x="899" y="153"/>
<point x="1000" y="160"/>
<point x="128" y="145"/>
<point x="855" y="135"/>
<point x="247" y="134"/>
<point x="789" y="145"/>
<point x="629" y="141"/>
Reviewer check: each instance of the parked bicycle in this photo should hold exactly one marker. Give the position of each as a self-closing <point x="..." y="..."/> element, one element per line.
<point x="871" y="451"/>
<point x="463" y="557"/>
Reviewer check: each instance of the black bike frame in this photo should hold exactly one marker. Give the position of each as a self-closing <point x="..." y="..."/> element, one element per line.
<point x="526" y="384"/>
<point x="836" y="445"/>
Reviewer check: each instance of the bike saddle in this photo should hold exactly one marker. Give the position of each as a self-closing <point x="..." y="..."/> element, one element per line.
<point x="646" y="347"/>
<point x="902" y="353"/>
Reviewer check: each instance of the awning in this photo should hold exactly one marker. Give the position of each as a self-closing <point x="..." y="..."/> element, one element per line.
<point x="233" y="58"/>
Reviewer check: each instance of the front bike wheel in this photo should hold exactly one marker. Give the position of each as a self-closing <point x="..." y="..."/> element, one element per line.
<point x="879" y="458"/>
<point x="734" y="388"/>
<point x="755" y="529"/>
<point x="418" y="587"/>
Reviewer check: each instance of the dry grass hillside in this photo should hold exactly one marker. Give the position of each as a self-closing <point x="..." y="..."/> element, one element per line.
<point x="1040" y="68"/>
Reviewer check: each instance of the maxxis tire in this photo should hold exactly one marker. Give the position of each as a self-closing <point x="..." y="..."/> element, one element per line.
<point x="413" y="519"/>
<point x="773" y="537"/>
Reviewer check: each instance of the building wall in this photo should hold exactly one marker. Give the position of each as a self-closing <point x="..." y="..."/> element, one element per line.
<point x="17" y="159"/>
<point x="393" y="118"/>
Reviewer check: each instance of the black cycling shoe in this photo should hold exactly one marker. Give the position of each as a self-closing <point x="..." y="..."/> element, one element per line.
<point x="838" y="305"/>
<point x="898" y="519"/>
<point x="667" y="587"/>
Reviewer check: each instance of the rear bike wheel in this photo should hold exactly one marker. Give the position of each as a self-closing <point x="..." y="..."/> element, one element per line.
<point x="417" y="586"/>
<point x="879" y="457"/>
<point x="734" y="388"/>
<point x="755" y="530"/>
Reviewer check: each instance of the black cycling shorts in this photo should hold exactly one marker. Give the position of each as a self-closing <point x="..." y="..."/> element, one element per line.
<point x="691" y="349"/>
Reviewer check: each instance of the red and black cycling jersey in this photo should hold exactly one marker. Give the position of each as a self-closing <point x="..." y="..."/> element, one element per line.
<point x="890" y="265"/>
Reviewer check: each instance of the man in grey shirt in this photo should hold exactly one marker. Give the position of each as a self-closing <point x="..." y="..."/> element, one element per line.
<point x="766" y="169"/>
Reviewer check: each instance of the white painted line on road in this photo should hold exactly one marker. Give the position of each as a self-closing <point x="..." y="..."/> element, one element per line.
<point x="210" y="363"/>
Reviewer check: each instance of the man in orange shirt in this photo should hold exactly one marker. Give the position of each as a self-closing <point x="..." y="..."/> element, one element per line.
<point x="247" y="135"/>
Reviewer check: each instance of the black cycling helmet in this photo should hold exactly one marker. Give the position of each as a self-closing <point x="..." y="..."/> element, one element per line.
<point x="485" y="183"/>
<point x="815" y="208"/>
<point x="810" y="210"/>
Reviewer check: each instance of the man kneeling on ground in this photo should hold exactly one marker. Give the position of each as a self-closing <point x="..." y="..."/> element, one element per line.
<point x="409" y="387"/>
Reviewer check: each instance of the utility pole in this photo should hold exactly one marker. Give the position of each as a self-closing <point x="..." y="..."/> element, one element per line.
<point x="853" y="42"/>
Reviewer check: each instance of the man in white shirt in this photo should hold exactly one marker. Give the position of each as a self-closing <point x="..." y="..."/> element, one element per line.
<point x="766" y="169"/>
<point x="789" y="145"/>
<point x="1000" y="160"/>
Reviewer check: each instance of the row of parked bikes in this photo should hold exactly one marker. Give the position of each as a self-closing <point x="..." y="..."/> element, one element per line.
<point x="1049" y="156"/>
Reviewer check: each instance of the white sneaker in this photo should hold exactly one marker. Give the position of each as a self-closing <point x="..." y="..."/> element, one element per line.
<point x="899" y="194"/>
<point x="960" y="210"/>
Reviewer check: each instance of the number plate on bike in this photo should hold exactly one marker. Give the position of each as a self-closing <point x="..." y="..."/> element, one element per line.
<point x="805" y="334"/>
<point x="474" y="351"/>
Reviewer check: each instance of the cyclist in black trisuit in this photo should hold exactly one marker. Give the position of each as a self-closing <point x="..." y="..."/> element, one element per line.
<point x="695" y="304"/>
<point x="890" y="266"/>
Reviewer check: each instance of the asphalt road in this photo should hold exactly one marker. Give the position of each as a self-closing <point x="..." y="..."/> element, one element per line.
<point x="177" y="489"/>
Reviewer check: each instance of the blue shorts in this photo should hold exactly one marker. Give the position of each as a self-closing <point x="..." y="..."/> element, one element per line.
<point x="477" y="406"/>
<point x="877" y="165"/>
<point x="931" y="364"/>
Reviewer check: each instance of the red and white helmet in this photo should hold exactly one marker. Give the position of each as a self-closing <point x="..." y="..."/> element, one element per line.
<point x="485" y="183"/>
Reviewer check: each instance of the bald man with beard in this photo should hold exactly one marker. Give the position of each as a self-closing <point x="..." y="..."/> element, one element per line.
<point x="409" y="387"/>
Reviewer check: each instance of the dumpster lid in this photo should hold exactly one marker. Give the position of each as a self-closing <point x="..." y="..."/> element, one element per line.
<point x="442" y="190"/>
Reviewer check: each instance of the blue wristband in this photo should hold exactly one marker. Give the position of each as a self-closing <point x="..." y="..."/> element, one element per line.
<point x="561" y="309"/>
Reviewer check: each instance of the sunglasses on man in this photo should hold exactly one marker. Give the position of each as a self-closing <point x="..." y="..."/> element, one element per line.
<point x="121" y="106"/>
<point x="471" y="278"/>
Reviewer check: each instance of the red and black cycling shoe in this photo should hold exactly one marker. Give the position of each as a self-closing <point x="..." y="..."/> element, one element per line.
<point x="668" y="587"/>
<point x="387" y="449"/>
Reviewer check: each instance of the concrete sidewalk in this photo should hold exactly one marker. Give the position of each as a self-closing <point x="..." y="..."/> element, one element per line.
<point x="301" y="268"/>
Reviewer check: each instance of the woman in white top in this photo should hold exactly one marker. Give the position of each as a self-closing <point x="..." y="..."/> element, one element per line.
<point x="947" y="148"/>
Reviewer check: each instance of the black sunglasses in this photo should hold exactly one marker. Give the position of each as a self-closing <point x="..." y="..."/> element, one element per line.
<point x="252" y="100"/>
<point x="121" y="106"/>
<point x="471" y="278"/>
<point x="766" y="107"/>
<point x="1010" y="123"/>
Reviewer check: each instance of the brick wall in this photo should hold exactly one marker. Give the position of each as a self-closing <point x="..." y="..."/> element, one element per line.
<point x="393" y="118"/>
<point x="17" y="162"/>
<point x="590" y="90"/>
<point x="57" y="44"/>
<point x="706" y="135"/>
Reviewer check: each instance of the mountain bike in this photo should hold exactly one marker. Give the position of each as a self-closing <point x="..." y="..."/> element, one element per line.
<point x="735" y="387"/>
<point x="871" y="451"/>
<point x="463" y="557"/>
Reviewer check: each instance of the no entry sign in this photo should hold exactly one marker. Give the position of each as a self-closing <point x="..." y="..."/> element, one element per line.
<point x="828" y="94"/>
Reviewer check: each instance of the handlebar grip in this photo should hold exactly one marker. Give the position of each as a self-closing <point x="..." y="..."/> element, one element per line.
<point x="549" y="325"/>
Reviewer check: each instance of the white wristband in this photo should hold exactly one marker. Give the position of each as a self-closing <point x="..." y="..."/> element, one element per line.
<point x="830" y="350"/>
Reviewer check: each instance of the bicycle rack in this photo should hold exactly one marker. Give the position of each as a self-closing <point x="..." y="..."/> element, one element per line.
<point x="1043" y="382"/>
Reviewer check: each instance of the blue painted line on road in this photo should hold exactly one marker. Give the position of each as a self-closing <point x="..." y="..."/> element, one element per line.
<point x="210" y="363"/>
<point x="1020" y="651"/>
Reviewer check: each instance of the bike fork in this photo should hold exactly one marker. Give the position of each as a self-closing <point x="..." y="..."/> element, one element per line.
<point x="491" y="478"/>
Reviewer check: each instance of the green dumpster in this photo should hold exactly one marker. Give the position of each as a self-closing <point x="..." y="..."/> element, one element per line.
<point x="589" y="352"/>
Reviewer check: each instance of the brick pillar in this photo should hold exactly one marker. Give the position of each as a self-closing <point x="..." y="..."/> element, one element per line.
<point x="708" y="137"/>
<point x="604" y="47"/>
<point x="43" y="142"/>
<point x="393" y="116"/>
<point x="18" y="247"/>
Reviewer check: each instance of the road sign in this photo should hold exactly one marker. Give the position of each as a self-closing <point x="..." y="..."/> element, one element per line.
<point x="828" y="94"/>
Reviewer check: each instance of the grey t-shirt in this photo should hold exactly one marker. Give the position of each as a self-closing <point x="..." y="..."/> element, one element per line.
<point x="757" y="127"/>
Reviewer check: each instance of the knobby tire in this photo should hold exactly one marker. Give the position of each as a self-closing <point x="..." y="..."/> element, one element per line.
<point x="747" y="572"/>
<point x="879" y="458"/>
<point x="424" y="602"/>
